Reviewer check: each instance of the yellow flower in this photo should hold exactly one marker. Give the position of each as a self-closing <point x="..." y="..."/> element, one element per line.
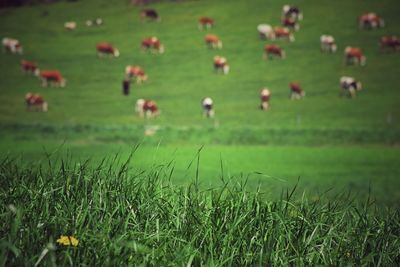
<point x="68" y="241"/>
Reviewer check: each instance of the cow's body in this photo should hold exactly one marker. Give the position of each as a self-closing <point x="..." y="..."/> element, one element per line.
<point x="266" y="31"/>
<point x="206" y="22"/>
<point x="349" y="86"/>
<point x="29" y="67"/>
<point x="152" y="44"/>
<point x="35" y="102"/>
<point x="52" y="78"/>
<point x="70" y="25"/>
<point x="147" y="108"/>
<point x="12" y="46"/>
<point x="273" y="50"/>
<point x="390" y="42"/>
<point x="284" y="33"/>
<point x="290" y="23"/>
<point x="213" y="41"/>
<point x="265" y="96"/>
<point x="328" y="43"/>
<point x="221" y="65"/>
<point x="208" y="107"/>
<point x="136" y="73"/>
<point x="370" y="21"/>
<point x="291" y="12"/>
<point x="150" y="14"/>
<point x="354" y="55"/>
<point x="296" y="92"/>
<point x="106" y="49"/>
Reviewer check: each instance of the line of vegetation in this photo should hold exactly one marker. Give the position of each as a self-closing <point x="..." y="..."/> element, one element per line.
<point x="201" y="134"/>
<point x="75" y="214"/>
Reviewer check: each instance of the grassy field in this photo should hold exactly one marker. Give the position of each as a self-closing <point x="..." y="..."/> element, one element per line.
<point x="325" y="146"/>
<point x="79" y="215"/>
<point x="90" y="115"/>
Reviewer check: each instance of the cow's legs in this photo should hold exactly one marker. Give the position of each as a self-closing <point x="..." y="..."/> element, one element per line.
<point x="44" y="82"/>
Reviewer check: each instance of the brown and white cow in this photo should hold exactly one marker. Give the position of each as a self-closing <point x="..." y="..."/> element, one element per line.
<point x="349" y="86"/>
<point x="291" y="23"/>
<point x="35" y="102"/>
<point x="296" y="92"/>
<point x="29" y="67"/>
<point x="106" y="49"/>
<point x="273" y="50"/>
<point x="147" y="108"/>
<point x="370" y="21"/>
<point x="70" y="25"/>
<point x="12" y="46"/>
<point x="206" y="23"/>
<point x="221" y="65"/>
<point x="265" y="96"/>
<point x="213" y="41"/>
<point x="208" y="107"/>
<point x="52" y="78"/>
<point x="135" y="72"/>
<point x="328" y="43"/>
<point x="152" y="44"/>
<point x="284" y="33"/>
<point x="354" y="55"/>
<point x="390" y="43"/>
<point x="149" y="14"/>
<point x="266" y="31"/>
<point x="293" y="12"/>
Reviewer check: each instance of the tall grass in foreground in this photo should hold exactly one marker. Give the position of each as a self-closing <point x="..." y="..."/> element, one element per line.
<point x="122" y="217"/>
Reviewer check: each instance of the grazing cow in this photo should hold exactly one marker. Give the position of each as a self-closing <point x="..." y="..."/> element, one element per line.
<point x="12" y="45"/>
<point x="152" y="44"/>
<point x="291" y="23"/>
<point x="206" y="22"/>
<point x="70" y="25"/>
<point x="147" y="108"/>
<point x="265" y="95"/>
<point x="273" y="50"/>
<point x="354" y="55"/>
<point x="291" y="12"/>
<point x="370" y="21"/>
<point x="29" y="67"/>
<point x="266" y="31"/>
<point x="328" y="43"/>
<point x="349" y="86"/>
<point x="208" y="109"/>
<point x="390" y="42"/>
<point x="212" y="41"/>
<point x="149" y="14"/>
<point x="126" y="84"/>
<point x="106" y="49"/>
<point x="35" y="102"/>
<point x="296" y="92"/>
<point x="52" y="78"/>
<point x="283" y="33"/>
<point x="221" y="65"/>
<point x="135" y="72"/>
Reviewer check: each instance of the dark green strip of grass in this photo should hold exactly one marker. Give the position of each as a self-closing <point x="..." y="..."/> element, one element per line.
<point x="205" y="134"/>
<point x="122" y="217"/>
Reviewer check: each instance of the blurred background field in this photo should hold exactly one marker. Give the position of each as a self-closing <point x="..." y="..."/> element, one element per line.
<point x="328" y="141"/>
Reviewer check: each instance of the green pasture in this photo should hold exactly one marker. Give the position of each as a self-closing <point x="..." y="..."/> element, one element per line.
<point x="183" y="75"/>
<point x="326" y="140"/>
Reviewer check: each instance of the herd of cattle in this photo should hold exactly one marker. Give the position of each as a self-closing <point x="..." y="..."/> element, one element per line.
<point x="291" y="17"/>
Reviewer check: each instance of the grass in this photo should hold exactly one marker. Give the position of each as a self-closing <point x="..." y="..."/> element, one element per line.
<point x="122" y="217"/>
<point x="180" y="78"/>
<point x="170" y="205"/>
